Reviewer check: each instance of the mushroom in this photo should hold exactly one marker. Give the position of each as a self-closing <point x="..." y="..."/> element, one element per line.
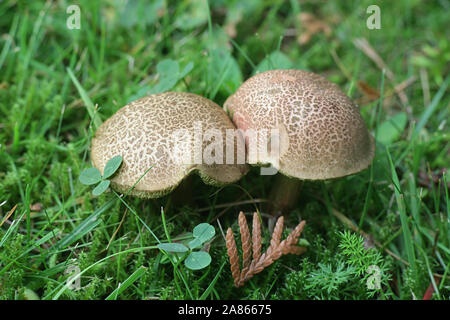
<point x="146" y="133"/>
<point x="321" y="134"/>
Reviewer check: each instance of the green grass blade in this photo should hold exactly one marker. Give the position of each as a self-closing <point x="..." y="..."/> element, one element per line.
<point x="87" y="101"/>
<point x="128" y="282"/>
<point x="407" y="235"/>
<point x="208" y="290"/>
<point x="431" y="108"/>
<point x="86" y="226"/>
<point x="12" y="228"/>
<point x="63" y="286"/>
<point x="9" y="41"/>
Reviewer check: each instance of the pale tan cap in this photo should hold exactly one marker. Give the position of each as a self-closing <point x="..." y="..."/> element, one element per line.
<point x="323" y="135"/>
<point x="142" y="133"/>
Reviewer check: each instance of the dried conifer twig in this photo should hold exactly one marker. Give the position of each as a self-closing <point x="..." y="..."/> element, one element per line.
<point x="233" y="255"/>
<point x="260" y="262"/>
<point x="246" y="241"/>
<point x="292" y="239"/>
<point x="276" y="235"/>
<point x="256" y="236"/>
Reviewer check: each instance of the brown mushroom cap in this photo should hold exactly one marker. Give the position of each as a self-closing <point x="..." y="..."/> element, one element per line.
<point x="142" y="133"/>
<point x="322" y="133"/>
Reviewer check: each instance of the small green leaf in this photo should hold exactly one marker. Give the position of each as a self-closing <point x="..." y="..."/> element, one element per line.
<point x="29" y="294"/>
<point x="90" y="176"/>
<point x="169" y="75"/>
<point x="168" y="71"/>
<point x="303" y="243"/>
<point x="391" y="129"/>
<point x="198" y="260"/>
<point x="101" y="187"/>
<point x="192" y="16"/>
<point x="139" y="94"/>
<point x="225" y="74"/>
<point x="172" y="247"/>
<point x="188" y="68"/>
<point x="275" y="60"/>
<point x="204" y="232"/>
<point x="128" y="282"/>
<point x="195" y="243"/>
<point x="140" y="12"/>
<point x="111" y="166"/>
<point x="168" y="68"/>
<point x="174" y="257"/>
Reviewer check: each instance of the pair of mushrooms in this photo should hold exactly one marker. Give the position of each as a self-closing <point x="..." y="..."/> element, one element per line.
<point x="322" y="135"/>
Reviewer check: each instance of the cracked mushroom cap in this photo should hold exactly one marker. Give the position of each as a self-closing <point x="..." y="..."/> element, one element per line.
<point x="144" y="133"/>
<point x="322" y="134"/>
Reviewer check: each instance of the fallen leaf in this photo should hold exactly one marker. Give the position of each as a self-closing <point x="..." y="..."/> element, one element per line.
<point x="430" y="290"/>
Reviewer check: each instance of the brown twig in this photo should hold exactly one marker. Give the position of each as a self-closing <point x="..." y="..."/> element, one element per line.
<point x="245" y="240"/>
<point x="8" y="215"/>
<point x="256" y="237"/>
<point x="233" y="255"/>
<point x="259" y="262"/>
<point x="276" y="235"/>
<point x="363" y="45"/>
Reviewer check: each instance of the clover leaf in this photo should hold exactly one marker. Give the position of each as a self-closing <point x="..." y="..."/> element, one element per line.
<point x="92" y="175"/>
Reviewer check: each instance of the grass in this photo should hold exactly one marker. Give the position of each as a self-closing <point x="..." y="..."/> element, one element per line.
<point x="57" y="85"/>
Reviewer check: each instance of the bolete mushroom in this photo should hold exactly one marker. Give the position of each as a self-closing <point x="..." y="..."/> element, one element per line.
<point x="158" y="137"/>
<point x="321" y="132"/>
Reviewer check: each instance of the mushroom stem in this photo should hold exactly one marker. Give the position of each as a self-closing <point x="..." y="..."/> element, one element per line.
<point x="182" y="195"/>
<point x="283" y="195"/>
